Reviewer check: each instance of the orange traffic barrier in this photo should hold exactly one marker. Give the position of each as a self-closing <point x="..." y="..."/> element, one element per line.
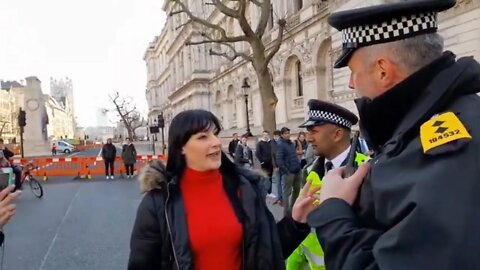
<point x="80" y="167"/>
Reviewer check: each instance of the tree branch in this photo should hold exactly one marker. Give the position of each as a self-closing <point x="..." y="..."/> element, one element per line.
<point x="218" y="40"/>
<point x="231" y="58"/>
<point x="197" y="19"/>
<point x="257" y="3"/>
<point x="183" y="24"/>
<point x="278" y="42"/>
<point x="242" y="20"/>
<point x="206" y="23"/>
<point x="226" y="10"/>
<point x="264" y="18"/>
<point x="223" y="54"/>
<point x="236" y="54"/>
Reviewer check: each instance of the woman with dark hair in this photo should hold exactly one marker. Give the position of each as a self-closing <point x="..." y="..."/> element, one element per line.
<point x="203" y="212"/>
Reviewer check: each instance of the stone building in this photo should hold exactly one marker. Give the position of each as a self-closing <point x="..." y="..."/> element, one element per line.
<point x="184" y="77"/>
<point x="8" y="111"/>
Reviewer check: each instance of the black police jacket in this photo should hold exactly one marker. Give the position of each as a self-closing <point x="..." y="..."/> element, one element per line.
<point x="416" y="209"/>
<point x="161" y="214"/>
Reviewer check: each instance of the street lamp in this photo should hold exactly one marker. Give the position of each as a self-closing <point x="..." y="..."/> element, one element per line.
<point x="245" y="89"/>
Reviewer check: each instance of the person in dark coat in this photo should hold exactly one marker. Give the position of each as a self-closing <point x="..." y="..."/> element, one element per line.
<point x="244" y="154"/>
<point x="202" y="211"/>
<point x="109" y="153"/>
<point x="232" y="146"/>
<point x="263" y="152"/>
<point x="418" y="206"/>
<point x="289" y="169"/>
<point x="129" y="157"/>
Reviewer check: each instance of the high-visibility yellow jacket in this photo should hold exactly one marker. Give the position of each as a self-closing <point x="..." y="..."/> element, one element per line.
<point x="310" y="252"/>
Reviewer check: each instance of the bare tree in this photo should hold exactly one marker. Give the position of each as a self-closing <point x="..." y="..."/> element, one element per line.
<point x="128" y="113"/>
<point x="259" y="54"/>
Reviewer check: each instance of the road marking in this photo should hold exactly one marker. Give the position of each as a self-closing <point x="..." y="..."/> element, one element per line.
<point x="58" y="230"/>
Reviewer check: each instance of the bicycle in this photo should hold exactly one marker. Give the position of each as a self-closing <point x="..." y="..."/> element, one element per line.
<point x="34" y="184"/>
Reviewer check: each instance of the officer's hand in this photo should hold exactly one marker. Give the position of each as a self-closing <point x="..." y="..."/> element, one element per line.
<point x="334" y="186"/>
<point x="7" y="208"/>
<point x="305" y="203"/>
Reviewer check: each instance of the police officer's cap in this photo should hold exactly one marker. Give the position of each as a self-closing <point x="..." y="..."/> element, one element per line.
<point x="384" y="23"/>
<point x="321" y="112"/>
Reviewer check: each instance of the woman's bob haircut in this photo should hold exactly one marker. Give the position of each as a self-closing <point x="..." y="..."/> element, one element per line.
<point x="184" y="125"/>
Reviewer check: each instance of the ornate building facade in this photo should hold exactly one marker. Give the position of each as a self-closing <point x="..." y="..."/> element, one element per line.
<point x="184" y="77"/>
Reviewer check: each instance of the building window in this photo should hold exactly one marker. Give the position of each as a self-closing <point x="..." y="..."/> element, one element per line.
<point x="298" y="69"/>
<point x="298" y="5"/>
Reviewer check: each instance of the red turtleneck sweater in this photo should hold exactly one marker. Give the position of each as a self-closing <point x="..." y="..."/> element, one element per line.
<point x="214" y="230"/>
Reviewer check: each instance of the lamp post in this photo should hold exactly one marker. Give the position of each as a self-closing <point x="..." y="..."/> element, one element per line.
<point x="245" y="89"/>
<point x="161" y="124"/>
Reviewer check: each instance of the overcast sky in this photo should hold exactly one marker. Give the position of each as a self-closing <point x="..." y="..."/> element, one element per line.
<point x="98" y="43"/>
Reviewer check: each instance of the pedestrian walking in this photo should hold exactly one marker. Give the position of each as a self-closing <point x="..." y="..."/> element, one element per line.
<point x="232" y="145"/>
<point x="109" y="153"/>
<point x="54" y="149"/>
<point x="264" y="154"/>
<point x="129" y="157"/>
<point x="417" y="208"/>
<point x="203" y="212"/>
<point x="290" y="170"/>
<point x="277" y="135"/>
<point x="301" y="148"/>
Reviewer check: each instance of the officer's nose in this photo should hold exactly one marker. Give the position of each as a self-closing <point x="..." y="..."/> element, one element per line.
<point x="351" y="85"/>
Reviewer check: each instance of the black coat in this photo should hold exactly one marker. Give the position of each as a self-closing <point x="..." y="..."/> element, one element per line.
<point x="232" y="146"/>
<point x="264" y="152"/>
<point x="415" y="210"/>
<point x="129" y="154"/>
<point x="109" y="151"/>
<point x="287" y="160"/>
<point x="7" y="153"/>
<point x="266" y="244"/>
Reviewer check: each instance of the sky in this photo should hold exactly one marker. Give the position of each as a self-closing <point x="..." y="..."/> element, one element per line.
<point x="99" y="44"/>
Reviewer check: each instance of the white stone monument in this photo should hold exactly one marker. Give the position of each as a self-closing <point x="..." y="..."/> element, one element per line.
<point x="30" y="98"/>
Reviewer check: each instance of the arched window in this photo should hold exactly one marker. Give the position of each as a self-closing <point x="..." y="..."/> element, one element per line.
<point x="298" y="5"/>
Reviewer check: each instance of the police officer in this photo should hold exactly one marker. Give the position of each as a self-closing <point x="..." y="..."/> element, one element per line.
<point x="418" y="207"/>
<point x="329" y="129"/>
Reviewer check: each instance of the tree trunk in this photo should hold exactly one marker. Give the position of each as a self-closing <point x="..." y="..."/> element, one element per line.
<point x="130" y="133"/>
<point x="269" y="99"/>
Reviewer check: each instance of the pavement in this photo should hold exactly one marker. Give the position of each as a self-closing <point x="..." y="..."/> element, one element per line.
<point x="78" y="224"/>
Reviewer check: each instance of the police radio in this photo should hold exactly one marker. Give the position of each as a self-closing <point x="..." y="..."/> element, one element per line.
<point x="351" y="165"/>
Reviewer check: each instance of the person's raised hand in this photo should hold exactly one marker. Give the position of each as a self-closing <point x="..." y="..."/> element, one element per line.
<point x="304" y="204"/>
<point x="7" y="208"/>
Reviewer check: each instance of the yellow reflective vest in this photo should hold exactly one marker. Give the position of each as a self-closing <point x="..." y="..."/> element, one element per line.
<point x="310" y="252"/>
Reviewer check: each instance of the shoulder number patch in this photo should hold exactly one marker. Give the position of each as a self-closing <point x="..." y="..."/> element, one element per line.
<point x="442" y="129"/>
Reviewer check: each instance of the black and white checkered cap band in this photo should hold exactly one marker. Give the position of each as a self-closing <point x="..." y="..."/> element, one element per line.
<point x="397" y="28"/>
<point x="329" y="117"/>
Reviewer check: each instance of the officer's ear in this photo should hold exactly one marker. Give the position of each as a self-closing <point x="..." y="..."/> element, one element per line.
<point x="387" y="72"/>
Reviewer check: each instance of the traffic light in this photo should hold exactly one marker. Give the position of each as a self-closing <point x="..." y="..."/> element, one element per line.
<point x="161" y="121"/>
<point x="22" y="118"/>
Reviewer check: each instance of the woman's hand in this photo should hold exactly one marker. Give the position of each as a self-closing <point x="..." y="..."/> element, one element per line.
<point x="305" y="203"/>
<point x="7" y="208"/>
